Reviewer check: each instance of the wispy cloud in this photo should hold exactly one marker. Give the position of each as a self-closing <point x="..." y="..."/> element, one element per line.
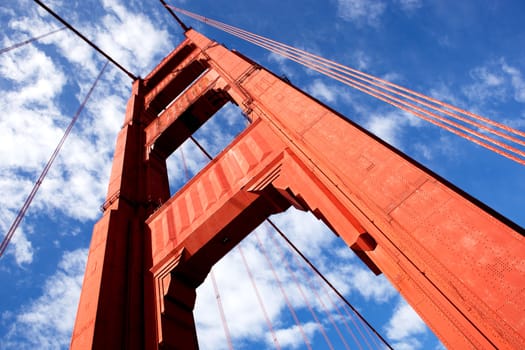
<point x="389" y="126"/>
<point x="410" y="5"/>
<point x="329" y="93"/>
<point x="46" y="323"/>
<point x="495" y="81"/>
<point x="34" y="114"/>
<point x="404" y="326"/>
<point x="361" y="12"/>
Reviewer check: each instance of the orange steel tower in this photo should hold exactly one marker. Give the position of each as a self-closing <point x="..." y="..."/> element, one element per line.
<point x="460" y="265"/>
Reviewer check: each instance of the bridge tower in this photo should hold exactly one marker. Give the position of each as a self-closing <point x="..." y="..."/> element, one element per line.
<point x="460" y="265"/>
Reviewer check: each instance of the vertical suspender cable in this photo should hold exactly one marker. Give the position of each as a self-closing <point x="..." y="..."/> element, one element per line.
<point x="294" y="277"/>
<point x="221" y="310"/>
<point x="259" y="298"/>
<point x="316" y="270"/>
<point x="283" y="292"/>
<point x="42" y="176"/>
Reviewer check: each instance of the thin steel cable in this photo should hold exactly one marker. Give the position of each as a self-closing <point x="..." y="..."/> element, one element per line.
<point x="345" y="323"/>
<point x="49" y="163"/>
<point x="314" y="290"/>
<point x="259" y="298"/>
<point x="28" y="41"/>
<point x="345" y="69"/>
<point x="336" y="307"/>
<point x="320" y="274"/>
<point x="89" y="42"/>
<point x="184" y="165"/>
<point x="367" y="330"/>
<point x="183" y="26"/>
<point x="332" y="67"/>
<point x="408" y="107"/>
<point x="371" y="80"/>
<point x="283" y="292"/>
<point x="221" y="310"/>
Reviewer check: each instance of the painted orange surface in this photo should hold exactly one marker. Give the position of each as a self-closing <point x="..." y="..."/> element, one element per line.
<point x="460" y="265"/>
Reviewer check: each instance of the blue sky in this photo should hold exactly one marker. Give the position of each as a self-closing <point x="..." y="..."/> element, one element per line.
<point x="468" y="53"/>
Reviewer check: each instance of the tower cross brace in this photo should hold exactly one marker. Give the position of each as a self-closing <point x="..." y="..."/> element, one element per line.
<point x="460" y="265"/>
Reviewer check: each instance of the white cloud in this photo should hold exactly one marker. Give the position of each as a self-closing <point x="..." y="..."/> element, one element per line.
<point x="424" y="150"/>
<point x="370" y="286"/>
<point x="293" y="337"/>
<point x="495" y="81"/>
<point x="404" y="326"/>
<point x="389" y="126"/>
<point x="34" y="114"/>
<point x="410" y="5"/>
<point x="487" y="84"/>
<point x="362" y="60"/>
<point x="516" y="79"/>
<point x="132" y="38"/>
<point x="322" y="91"/>
<point x="23" y="250"/>
<point x="46" y="323"/>
<point x="238" y="298"/>
<point x="282" y="64"/>
<point x="361" y="11"/>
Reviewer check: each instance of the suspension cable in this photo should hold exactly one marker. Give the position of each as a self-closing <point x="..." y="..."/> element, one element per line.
<point x="42" y="176"/>
<point x="403" y="104"/>
<point x="336" y="307"/>
<point x="299" y="287"/>
<point x="183" y="26"/>
<point x="318" y="297"/>
<point x="328" y="283"/>
<point x="283" y="292"/>
<point x="338" y="310"/>
<point x="221" y="310"/>
<point x="348" y="76"/>
<point x="259" y="298"/>
<point x="28" y="41"/>
<point x="89" y="42"/>
<point x="259" y="40"/>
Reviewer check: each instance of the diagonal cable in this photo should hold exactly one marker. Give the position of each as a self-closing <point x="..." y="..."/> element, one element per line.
<point x="28" y="41"/>
<point x="86" y="40"/>
<point x="387" y="92"/>
<point x="49" y="163"/>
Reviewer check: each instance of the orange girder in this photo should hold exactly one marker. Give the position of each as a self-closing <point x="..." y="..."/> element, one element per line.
<point x="460" y="265"/>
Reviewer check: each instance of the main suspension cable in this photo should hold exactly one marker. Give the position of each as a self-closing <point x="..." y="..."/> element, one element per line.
<point x="259" y="40"/>
<point x="387" y="92"/>
<point x="89" y="42"/>
<point x="49" y="163"/>
<point x="28" y="41"/>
